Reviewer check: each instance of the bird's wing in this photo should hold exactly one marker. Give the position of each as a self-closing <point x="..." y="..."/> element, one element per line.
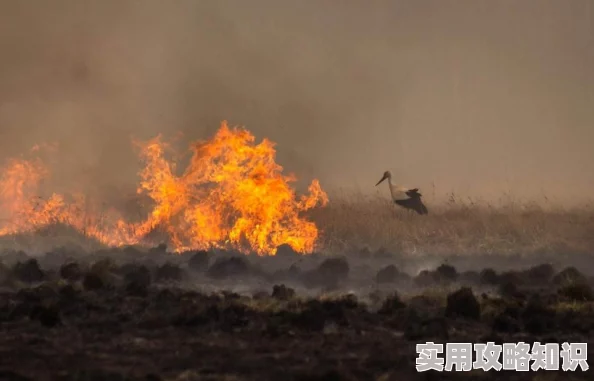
<point x="413" y="193"/>
<point x="413" y="203"/>
<point x="420" y="207"/>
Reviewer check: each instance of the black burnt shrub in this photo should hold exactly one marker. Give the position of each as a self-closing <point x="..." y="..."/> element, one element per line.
<point x="334" y="269"/>
<point x="313" y="317"/>
<point x="509" y="290"/>
<point x="234" y="316"/>
<point x="446" y="273"/>
<point x="577" y="291"/>
<point x="199" y="261"/>
<point x="28" y="300"/>
<point x="538" y="317"/>
<point x="345" y="302"/>
<point x="28" y="271"/>
<point x="29" y="295"/>
<point x="387" y="274"/>
<point x="540" y="274"/>
<point x="47" y="316"/>
<point x="329" y="274"/>
<point x="508" y="321"/>
<point x="18" y="311"/>
<point x="425" y="278"/>
<point x="282" y="292"/>
<point x="382" y="253"/>
<point x="168" y="299"/>
<point x="71" y="271"/>
<point x="505" y="323"/>
<point x="103" y="266"/>
<point x="391" y="304"/>
<point x="208" y="314"/>
<point x="470" y="277"/>
<point x="463" y="303"/>
<point x="576" y="320"/>
<point x="138" y="274"/>
<point x="569" y="275"/>
<point x="230" y="295"/>
<point x="229" y="267"/>
<point x="512" y="311"/>
<point x="292" y="273"/>
<point x="137" y="279"/>
<point x="511" y="277"/>
<point x="425" y="305"/>
<point x="489" y="277"/>
<point x="68" y="292"/>
<point x="226" y="317"/>
<point x="260" y="295"/>
<point x="433" y="328"/>
<point x="316" y="313"/>
<point x="285" y="251"/>
<point x="69" y="296"/>
<point x="168" y="272"/>
<point x="93" y="281"/>
<point x="5" y="274"/>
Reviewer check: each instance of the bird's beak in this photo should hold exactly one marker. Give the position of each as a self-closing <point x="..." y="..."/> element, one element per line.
<point x="383" y="178"/>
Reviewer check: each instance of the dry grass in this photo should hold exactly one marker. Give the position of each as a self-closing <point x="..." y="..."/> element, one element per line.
<point x="352" y="222"/>
<point x="458" y="227"/>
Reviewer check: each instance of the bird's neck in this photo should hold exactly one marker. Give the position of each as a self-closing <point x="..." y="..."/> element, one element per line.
<point x="391" y="186"/>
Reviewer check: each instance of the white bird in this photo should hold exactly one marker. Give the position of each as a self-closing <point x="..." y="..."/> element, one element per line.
<point x="406" y="198"/>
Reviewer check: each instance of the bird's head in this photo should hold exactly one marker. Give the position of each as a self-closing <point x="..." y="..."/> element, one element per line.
<point x="387" y="175"/>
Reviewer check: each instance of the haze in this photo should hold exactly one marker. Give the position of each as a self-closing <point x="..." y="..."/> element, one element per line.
<point x="476" y="97"/>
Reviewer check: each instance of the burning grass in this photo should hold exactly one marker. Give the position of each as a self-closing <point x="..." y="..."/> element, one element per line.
<point x="231" y="194"/>
<point x="359" y="224"/>
<point x="356" y="223"/>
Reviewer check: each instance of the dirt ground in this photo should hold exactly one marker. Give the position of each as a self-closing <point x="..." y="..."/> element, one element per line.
<point x="132" y="315"/>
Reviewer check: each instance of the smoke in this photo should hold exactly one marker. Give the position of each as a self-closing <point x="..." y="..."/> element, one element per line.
<point x="475" y="97"/>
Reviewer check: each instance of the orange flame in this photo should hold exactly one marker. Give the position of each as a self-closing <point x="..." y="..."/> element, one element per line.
<point x="232" y="194"/>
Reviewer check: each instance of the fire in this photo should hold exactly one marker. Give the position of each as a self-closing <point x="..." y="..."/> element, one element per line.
<point x="232" y="194"/>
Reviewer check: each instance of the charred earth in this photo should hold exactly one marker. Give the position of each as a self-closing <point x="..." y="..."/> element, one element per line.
<point x="130" y="314"/>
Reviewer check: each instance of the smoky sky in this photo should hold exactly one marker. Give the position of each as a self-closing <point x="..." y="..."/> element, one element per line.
<point x="475" y="97"/>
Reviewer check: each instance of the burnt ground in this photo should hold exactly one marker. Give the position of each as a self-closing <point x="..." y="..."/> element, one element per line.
<point x="150" y="315"/>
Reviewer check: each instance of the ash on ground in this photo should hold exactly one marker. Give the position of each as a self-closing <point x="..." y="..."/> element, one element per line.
<point x="137" y="314"/>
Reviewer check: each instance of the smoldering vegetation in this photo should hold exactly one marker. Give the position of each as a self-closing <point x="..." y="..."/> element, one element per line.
<point x="358" y="272"/>
<point x="146" y="314"/>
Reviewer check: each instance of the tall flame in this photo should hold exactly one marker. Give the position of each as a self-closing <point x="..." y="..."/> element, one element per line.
<point x="232" y="194"/>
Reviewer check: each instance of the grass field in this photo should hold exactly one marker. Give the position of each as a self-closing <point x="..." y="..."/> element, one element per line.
<point x="354" y="221"/>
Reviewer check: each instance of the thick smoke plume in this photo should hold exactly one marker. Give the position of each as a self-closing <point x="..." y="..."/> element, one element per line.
<point x="475" y="97"/>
